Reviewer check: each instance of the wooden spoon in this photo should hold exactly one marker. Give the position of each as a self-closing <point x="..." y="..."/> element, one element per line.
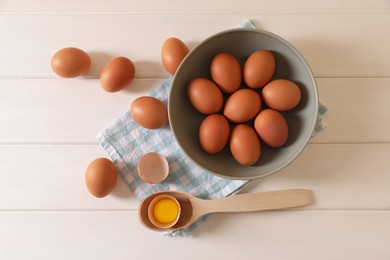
<point x="192" y="208"/>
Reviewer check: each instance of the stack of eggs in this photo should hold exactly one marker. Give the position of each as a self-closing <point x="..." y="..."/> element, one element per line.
<point x="243" y="115"/>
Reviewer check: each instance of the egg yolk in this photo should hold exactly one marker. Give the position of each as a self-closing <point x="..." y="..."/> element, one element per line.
<point x="165" y="211"/>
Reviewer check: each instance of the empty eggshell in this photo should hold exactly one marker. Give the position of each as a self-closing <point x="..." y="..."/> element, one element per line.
<point x="226" y="72"/>
<point x="242" y="106"/>
<point x="214" y="133"/>
<point x="245" y="145"/>
<point x="149" y="112"/>
<point x="100" y="177"/>
<point x="172" y="53"/>
<point x="259" y="68"/>
<point x="272" y="128"/>
<point x="70" y="62"/>
<point x="205" y="96"/>
<point x="281" y="94"/>
<point x="153" y="168"/>
<point x="117" y="74"/>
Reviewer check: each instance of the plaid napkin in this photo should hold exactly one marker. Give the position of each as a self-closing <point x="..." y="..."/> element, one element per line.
<point x="126" y="142"/>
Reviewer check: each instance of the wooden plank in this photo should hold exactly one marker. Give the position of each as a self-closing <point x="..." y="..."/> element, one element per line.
<point x="47" y="177"/>
<point x="341" y="176"/>
<point x="52" y="177"/>
<point x="332" y="43"/>
<point x="48" y="129"/>
<point x="218" y="6"/>
<point x="62" y="111"/>
<point x="76" y="110"/>
<point x="359" y="110"/>
<point x="273" y="235"/>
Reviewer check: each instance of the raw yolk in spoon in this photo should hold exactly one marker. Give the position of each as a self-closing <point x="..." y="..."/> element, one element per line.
<point x="165" y="211"/>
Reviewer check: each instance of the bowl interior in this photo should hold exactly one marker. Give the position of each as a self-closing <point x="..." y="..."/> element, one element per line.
<point x="185" y="120"/>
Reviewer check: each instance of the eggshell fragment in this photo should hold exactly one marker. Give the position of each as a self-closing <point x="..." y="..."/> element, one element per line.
<point x="245" y="145"/>
<point x="149" y="112"/>
<point x="172" y="53"/>
<point x="242" y="106"/>
<point x="259" y="68"/>
<point x="272" y="128"/>
<point x="117" y="74"/>
<point x="100" y="177"/>
<point x="226" y="72"/>
<point x="205" y="96"/>
<point x="153" y="168"/>
<point x="70" y="62"/>
<point x="281" y="94"/>
<point x="214" y="133"/>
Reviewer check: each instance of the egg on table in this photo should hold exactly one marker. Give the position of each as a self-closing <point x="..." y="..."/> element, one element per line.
<point x="117" y="74"/>
<point x="149" y="112"/>
<point x="172" y="53"/>
<point x="100" y="177"/>
<point x="70" y="62"/>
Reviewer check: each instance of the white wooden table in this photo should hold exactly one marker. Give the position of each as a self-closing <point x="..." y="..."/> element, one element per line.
<point x="48" y="127"/>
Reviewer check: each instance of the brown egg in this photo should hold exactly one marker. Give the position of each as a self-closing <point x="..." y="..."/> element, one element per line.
<point x="226" y="72"/>
<point x="245" y="145"/>
<point x="205" y="96"/>
<point x="259" y="68"/>
<point x="70" y="62"/>
<point x="214" y="133"/>
<point x="242" y="106"/>
<point x="117" y="74"/>
<point x="172" y="53"/>
<point x="149" y="112"/>
<point x="281" y="94"/>
<point x="272" y="128"/>
<point x="100" y="177"/>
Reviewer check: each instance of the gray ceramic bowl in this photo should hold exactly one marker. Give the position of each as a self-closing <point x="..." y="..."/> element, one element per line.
<point x="290" y="64"/>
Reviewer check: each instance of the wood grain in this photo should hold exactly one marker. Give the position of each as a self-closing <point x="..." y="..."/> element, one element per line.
<point x="48" y="128"/>
<point x="80" y="109"/>
<point x="332" y="44"/>
<point x="52" y="178"/>
<point x="198" y="7"/>
<point x="267" y="235"/>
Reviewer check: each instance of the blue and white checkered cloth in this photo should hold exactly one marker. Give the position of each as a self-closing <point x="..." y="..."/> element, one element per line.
<point x="126" y="142"/>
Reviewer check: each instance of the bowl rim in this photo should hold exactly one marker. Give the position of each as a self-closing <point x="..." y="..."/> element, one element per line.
<point x="304" y="63"/>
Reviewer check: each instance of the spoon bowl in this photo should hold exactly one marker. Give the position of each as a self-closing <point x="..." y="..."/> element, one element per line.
<point x="192" y="208"/>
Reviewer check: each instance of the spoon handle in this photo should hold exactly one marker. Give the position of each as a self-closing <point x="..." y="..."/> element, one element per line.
<point x="270" y="200"/>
